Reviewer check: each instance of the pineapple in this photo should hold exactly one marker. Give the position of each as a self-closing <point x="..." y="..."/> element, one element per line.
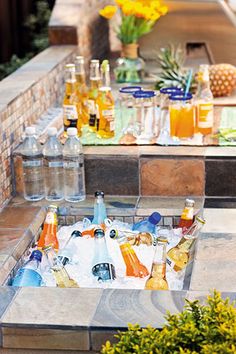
<point x="222" y="76"/>
<point x="172" y="60"/>
<point x="222" y="79"/>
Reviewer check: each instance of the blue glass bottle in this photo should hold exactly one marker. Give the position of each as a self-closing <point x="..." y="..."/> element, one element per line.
<point x="29" y="274"/>
<point x="148" y="225"/>
<point x="100" y="213"/>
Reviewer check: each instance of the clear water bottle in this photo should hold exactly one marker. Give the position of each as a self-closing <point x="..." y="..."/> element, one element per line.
<point x="102" y="264"/>
<point x="29" y="274"/>
<point x="148" y="225"/>
<point x="100" y="213"/>
<point x="53" y="167"/>
<point x="32" y="161"/>
<point x="73" y="163"/>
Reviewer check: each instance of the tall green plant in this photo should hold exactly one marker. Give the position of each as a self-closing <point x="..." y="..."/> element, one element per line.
<point x="198" y="329"/>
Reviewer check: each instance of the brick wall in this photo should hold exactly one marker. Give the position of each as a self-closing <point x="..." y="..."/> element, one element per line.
<point x="24" y="97"/>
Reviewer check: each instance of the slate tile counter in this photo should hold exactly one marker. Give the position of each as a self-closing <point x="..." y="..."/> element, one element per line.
<point x="55" y="320"/>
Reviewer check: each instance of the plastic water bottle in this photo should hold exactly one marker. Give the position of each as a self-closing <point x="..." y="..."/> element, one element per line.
<point x="53" y="167"/>
<point x="73" y="163"/>
<point x="29" y="274"/>
<point x="100" y="213"/>
<point x="148" y="225"/>
<point x="32" y="162"/>
<point x="102" y="263"/>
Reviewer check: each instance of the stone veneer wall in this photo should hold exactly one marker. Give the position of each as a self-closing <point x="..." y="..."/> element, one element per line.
<point x="24" y="97"/>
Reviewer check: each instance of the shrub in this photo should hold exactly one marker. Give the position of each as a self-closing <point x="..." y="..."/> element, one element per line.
<point x="204" y="329"/>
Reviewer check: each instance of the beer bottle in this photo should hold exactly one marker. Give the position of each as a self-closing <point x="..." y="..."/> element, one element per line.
<point x="94" y="84"/>
<point x="82" y="89"/>
<point x="71" y="117"/>
<point x="204" y="101"/>
<point x="106" y="104"/>
<point x="157" y="280"/>
<point x="179" y="256"/>
<point x="186" y="218"/>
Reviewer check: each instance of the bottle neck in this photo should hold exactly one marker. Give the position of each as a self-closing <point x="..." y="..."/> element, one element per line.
<point x="186" y="243"/>
<point x="187" y="213"/>
<point x="160" y="253"/>
<point x="80" y="78"/>
<point x="106" y="81"/>
<point x="99" y="200"/>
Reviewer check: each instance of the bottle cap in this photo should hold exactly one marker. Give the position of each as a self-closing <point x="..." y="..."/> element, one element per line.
<point x="99" y="193"/>
<point x="76" y="233"/>
<point x="99" y="233"/>
<point x="70" y="67"/>
<point x="154" y="218"/>
<point x="30" y="131"/>
<point x="130" y="89"/>
<point x="144" y="94"/>
<point x="52" y="131"/>
<point x="189" y="203"/>
<point x="52" y="206"/>
<point x="79" y="59"/>
<point x="94" y="61"/>
<point x="71" y="131"/>
<point x="113" y="233"/>
<point x="36" y="255"/>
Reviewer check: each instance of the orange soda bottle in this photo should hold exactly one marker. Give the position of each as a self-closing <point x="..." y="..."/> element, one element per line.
<point x="49" y="234"/>
<point x="134" y="268"/>
<point x="186" y="218"/>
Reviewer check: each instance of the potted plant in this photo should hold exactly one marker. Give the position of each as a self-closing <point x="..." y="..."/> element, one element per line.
<point x="137" y="19"/>
<point x="198" y="329"/>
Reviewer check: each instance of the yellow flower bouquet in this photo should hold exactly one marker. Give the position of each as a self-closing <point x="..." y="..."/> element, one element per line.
<point x="137" y="19"/>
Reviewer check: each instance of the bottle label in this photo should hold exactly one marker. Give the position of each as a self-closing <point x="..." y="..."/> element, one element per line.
<point x="70" y="112"/>
<point x="104" y="271"/>
<point x="55" y="164"/>
<point x="51" y="218"/>
<point x="72" y="164"/>
<point x="187" y="214"/>
<point x="109" y="115"/>
<point x="32" y="163"/>
<point x="170" y="262"/>
<point x="92" y="120"/>
<point x="205" y="115"/>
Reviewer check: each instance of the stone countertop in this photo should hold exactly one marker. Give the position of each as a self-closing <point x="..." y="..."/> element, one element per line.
<point x="82" y="319"/>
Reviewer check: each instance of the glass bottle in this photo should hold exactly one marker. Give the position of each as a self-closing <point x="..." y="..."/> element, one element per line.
<point x="32" y="163"/>
<point x="186" y="218"/>
<point x="134" y="268"/>
<point x="102" y="263"/>
<point x="134" y="238"/>
<point x="49" y="234"/>
<point x="100" y="213"/>
<point x="204" y="102"/>
<point x="73" y="163"/>
<point x="53" y="167"/>
<point x="63" y="280"/>
<point x="157" y="280"/>
<point x="71" y="117"/>
<point x="106" y="104"/>
<point x="29" y="274"/>
<point x="179" y="256"/>
<point x="82" y="89"/>
<point x="94" y="84"/>
<point x="148" y="225"/>
<point x="65" y="254"/>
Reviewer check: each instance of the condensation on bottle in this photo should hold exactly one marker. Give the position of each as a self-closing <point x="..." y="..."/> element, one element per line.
<point x="53" y="167"/>
<point x="32" y="163"/>
<point x="73" y="164"/>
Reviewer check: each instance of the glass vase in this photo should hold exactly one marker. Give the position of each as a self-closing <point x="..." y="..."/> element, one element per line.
<point x="129" y="67"/>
